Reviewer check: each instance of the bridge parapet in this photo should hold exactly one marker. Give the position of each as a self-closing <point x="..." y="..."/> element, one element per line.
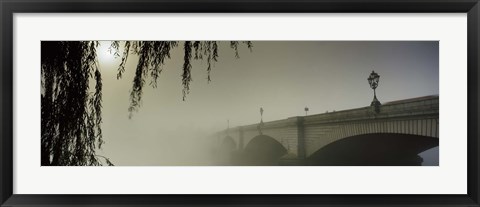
<point x="411" y="107"/>
<point x="292" y="121"/>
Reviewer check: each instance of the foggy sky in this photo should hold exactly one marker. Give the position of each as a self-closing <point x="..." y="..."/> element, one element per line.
<point x="282" y="77"/>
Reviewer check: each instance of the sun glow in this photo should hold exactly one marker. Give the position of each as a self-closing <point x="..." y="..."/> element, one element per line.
<point x="106" y="54"/>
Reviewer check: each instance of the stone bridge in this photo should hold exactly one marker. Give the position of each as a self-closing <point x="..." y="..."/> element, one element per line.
<point x="303" y="136"/>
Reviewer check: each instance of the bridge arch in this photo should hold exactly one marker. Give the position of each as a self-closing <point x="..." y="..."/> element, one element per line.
<point x="228" y="143"/>
<point x="319" y="136"/>
<point x="377" y="149"/>
<point x="263" y="150"/>
<point x="226" y="151"/>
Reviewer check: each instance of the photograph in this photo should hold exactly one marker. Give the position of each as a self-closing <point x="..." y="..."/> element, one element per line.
<point x="239" y="103"/>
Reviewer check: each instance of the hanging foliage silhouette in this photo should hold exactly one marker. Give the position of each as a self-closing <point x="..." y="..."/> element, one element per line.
<point x="71" y="112"/>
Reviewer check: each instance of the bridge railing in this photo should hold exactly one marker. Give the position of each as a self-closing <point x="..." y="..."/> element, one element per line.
<point x="410" y="107"/>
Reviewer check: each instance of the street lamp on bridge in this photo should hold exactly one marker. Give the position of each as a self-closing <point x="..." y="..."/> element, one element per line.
<point x="261" y="114"/>
<point x="259" y="126"/>
<point x="373" y="80"/>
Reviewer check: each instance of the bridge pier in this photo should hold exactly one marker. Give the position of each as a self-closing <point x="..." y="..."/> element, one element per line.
<point x="240" y="138"/>
<point x="301" y="150"/>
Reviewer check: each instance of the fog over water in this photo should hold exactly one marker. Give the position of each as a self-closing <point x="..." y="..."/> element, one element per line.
<point x="282" y="77"/>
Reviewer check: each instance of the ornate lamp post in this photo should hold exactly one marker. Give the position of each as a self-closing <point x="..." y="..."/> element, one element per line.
<point x="306" y="111"/>
<point x="373" y="81"/>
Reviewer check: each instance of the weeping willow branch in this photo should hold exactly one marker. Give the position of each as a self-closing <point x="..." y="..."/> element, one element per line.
<point x="186" y="76"/>
<point x="152" y="56"/>
<point x="71" y="115"/>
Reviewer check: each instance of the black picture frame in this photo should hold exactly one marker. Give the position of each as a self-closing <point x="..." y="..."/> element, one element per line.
<point x="9" y="7"/>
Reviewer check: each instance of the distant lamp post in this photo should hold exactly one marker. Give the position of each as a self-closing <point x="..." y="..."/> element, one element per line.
<point x="373" y="81"/>
<point x="228" y="126"/>
<point x="259" y="126"/>
<point x="306" y="111"/>
<point x="261" y="114"/>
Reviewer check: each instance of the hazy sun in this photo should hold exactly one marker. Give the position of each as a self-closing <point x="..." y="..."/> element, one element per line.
<point x="105" y="54"/>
